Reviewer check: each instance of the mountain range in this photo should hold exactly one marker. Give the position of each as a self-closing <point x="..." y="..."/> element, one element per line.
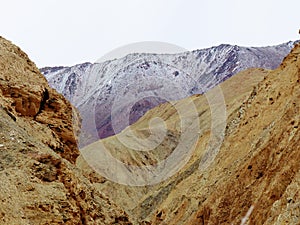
<point x="114" y="94"/>
<point x="226" y="155"/>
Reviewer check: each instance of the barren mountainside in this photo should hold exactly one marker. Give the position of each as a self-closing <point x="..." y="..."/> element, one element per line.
<point x="229" y="156"/>
<point x="148" y="80"/>
<point x="249" y="173"/>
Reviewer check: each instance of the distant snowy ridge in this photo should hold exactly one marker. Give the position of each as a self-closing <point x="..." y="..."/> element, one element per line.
<point x="131" y="85"/>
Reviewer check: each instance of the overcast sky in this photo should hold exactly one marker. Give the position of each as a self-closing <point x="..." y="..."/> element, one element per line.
<point x="68" y="32"/>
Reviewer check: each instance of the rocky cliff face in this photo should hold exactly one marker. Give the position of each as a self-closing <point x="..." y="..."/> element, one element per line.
<point x="39" y="181"/>
<point x="147" y="80"/>
<point x="25" y="93"/>
<point x="252" y="177"/>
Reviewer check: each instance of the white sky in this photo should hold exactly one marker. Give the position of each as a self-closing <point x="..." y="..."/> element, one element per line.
<point x="68" y="32"/>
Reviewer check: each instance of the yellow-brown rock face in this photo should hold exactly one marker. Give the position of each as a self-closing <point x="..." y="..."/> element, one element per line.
<point x="39" y="181"/>
<point x="25" y="93"/>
